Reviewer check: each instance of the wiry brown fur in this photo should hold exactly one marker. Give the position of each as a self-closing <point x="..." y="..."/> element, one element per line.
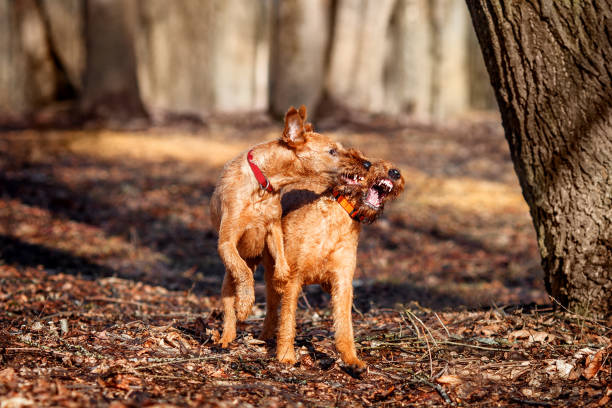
<point x="247" y="218"/>
<point x="320" y="241"/>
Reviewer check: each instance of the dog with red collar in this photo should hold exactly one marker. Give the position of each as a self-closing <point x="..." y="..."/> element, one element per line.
<point x="246" y="210"/>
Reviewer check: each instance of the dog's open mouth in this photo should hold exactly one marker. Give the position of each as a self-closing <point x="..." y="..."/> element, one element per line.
<point x="377" y="192"/>
<point x="351" y="178"/>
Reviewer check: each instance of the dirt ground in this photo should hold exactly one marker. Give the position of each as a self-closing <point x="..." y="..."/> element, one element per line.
<point x="110" y="280"/>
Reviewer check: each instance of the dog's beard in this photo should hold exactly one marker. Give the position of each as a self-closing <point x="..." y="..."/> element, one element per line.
<point x="368" y="201"/>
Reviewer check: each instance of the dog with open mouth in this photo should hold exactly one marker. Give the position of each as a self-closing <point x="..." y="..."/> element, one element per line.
<point x="320" y="237"/>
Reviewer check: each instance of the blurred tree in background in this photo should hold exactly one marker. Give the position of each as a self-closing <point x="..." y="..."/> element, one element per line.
<point x="550" y="63"/>
<point x="129" y="58"/>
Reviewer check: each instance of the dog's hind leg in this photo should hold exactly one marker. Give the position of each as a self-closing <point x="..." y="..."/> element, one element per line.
<point x="273" y="298"/>
<point x="342" y="301"/>
<point x="229" y="313"/>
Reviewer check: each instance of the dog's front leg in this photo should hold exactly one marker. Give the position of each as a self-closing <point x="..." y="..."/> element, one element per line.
<point x="276" y="248"/>
<point x="285" y="351"/>
<point x="342" y="301"/>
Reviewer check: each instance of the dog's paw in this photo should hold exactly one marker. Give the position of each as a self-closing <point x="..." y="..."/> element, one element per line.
<point x="226" y="339"/>
<point x="286" y="355"/>
<point x="356" y="368"/>
<point x="245" y="298"/>
<point x="267" y="334"/>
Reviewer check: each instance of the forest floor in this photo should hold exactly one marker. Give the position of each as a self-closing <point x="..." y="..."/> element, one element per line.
<point x="110" y="280"/>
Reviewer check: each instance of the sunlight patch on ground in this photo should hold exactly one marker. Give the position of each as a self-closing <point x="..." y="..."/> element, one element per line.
<point x="463" y="194"/>
<point x="158" y="147"/>
<point x="38" y="226"/>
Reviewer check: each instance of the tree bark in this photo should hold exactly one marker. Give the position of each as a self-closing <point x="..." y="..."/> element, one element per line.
<point x="301" y="35"/>
<point x="28" y="76"/>
<point x="65" y="25"/>
<point x="200" y="57"/>
<point x="356" y="72"/>
<point x="111" y="88"/>
<point x="550" y="65"/>
<point x="410" y="66"/>
<point x="450" y="87"/>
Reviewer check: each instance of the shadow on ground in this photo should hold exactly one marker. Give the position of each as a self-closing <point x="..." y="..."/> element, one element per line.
<point x="148" y="220"/>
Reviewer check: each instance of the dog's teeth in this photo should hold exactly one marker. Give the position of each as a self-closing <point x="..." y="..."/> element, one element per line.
<point x="386" y="184"/>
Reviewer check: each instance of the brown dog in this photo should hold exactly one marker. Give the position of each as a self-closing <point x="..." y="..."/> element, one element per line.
<point x="245" y="206"/>
<point x="320" y="237"/>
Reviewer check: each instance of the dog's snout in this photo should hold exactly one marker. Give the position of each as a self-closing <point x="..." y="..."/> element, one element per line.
<point x="394" y="174"/>
<point x="367" y="165"/>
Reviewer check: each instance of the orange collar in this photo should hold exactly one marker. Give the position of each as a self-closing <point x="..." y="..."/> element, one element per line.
<point x="348" y="207"/>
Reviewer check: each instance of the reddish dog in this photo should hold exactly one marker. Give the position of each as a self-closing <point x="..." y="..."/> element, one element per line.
<point x="246" y="211"/>
<point x="320" y="237"/>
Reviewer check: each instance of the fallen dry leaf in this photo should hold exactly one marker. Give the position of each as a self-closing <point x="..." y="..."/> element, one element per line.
<point x="560" y="367"/>
<point x="7" y="375"/>
<point x="605" y="399"/>
<point x="16" y="402"/>
<point x="593" y="364"/>
<point x="449" y="380"/>
<point x="531" y="336"/>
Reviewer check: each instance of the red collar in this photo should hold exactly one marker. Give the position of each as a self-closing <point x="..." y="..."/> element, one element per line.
<point x="261" y="178"/>
<point x="348" y="207"/>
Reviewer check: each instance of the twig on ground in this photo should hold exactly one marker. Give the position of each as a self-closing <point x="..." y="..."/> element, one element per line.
<point x="357" y="311"/>
<point x="579" y="317"/>
<point x="443" y="325"/>
<point x="114" y="300"/>
<point x="416" y="329"/>
<point x="433" y="339"/>
<point x="440" y="391"/>
<point x="175" y="361"/>
<point x="453" y="343"/>
<point x="306" y="301"/>
<point x="426" y="341"/>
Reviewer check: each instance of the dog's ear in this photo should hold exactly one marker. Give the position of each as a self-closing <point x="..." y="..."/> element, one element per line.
<point x="308" y="127"/>
<point x="302" y="112"/>
<point x="293" y="133"/>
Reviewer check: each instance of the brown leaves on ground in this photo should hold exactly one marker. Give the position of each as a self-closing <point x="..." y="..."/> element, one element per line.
<point x="110" y="281"/>
<point x="159" y="349"/>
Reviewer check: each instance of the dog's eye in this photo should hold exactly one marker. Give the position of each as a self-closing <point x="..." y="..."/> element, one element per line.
<point x="333" y="152"/>
<point x="367" y="165"/>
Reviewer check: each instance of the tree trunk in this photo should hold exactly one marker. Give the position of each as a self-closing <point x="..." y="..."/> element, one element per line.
<point x="410" y="66"/>
<point x="301" y="35"/>
<point x="199" y="57"/>
<point x="481" y="93"/>
<point x="450" y="88"/>
<point x="111" y="87"/>
<point x="358" y="49"/>
<point x="65" y="25"/>
<point x="28" y="76"/>
<point x="550" y="65"/>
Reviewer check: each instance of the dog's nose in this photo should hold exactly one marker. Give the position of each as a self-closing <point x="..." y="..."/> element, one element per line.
<point x="394" y="174"/>
<point x="367" y="165"/>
